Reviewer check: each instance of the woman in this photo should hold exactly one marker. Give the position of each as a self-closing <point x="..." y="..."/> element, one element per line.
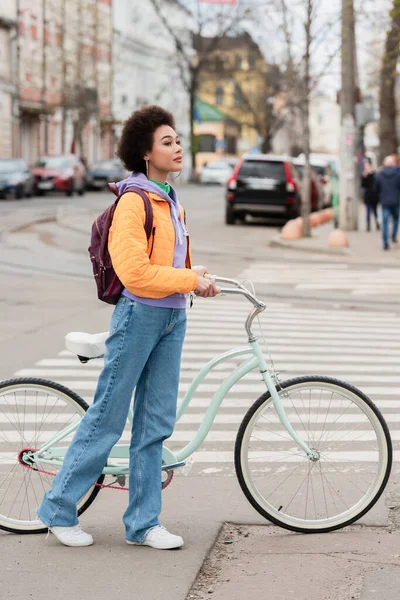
<point x="144" y="347"/>
<point x="371" y="197"/>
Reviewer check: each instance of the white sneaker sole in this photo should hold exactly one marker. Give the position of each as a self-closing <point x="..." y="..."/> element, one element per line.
<point x="156" y="547"/>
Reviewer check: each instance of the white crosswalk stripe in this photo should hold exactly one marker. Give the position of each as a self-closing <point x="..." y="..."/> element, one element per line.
<point x="326" y="276"/>
<point x="362" y="348"/>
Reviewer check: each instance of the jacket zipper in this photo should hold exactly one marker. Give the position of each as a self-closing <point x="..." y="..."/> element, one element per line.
<point x="152" y="245"/>
<point x="188" y="252"/>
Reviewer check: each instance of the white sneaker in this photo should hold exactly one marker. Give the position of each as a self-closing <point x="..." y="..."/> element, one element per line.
<point x="72" y="536"/>
<point x="158" y="537"/>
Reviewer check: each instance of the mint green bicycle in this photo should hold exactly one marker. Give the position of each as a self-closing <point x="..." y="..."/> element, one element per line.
<point x="312" y="454"/>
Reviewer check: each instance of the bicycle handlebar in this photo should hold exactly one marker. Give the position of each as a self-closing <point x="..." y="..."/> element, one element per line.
<point x="241" y="290"/>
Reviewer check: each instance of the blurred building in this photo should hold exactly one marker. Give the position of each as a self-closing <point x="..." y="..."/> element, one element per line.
<point x="234" y="79"/>
<point x="146" y="66"/>
<point x="63" y="78"/>
<point x="216" y="134"/>
<point x="288" y="137"/>
<point x="325" y="123"/>
<point x="8" y="79"/>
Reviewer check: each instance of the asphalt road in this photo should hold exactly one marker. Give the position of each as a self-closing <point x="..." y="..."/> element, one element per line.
<point x="325" y="315"/>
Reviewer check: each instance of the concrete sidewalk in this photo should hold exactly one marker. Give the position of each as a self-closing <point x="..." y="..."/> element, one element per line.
<point x="364" y="246"/>
<point x="357" y="563"/>
<point x="267" y="560"/>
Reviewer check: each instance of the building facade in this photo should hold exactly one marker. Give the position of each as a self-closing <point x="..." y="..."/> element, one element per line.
<point x="8" y="79"/>
<point x="216" y="134"/>
<point x="146" y="70"/>
<point x="325" y="124"/>
<point x="61" y="57"/>
<point x="234" y="79"/>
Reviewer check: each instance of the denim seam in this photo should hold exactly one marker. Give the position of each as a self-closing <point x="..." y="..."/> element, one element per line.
<point x="95" y="425"/>
<point x="123" y="303"/>
<point x="172" y="322"/>
<point x="143" y="427"/>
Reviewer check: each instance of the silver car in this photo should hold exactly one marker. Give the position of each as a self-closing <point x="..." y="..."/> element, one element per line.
<point x="218" y="171"/>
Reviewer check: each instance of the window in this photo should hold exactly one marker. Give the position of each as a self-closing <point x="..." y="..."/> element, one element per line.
<point x="252" y="61"/>
<point x="53" y="162"/>
<point x="219" y="64"/>
<point x="141" y="101"/>
<point x="238" y="63"/>
<point x="206" y="142"/>
<point x="238" y="96"/>
<point x="216" y="165"/>
<point x="261" y="168"/>
<point x="230" y="144"/>
<point x="219" y="95"/>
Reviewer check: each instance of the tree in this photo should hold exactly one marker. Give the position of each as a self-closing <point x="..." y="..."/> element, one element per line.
<point x="301" y="76"/>
<point x="260" y="106"/>
<point x="239" y="65"/>
<point x="387" y="101"/>
<point x="298" y="90"/>
<point x="221" y="21"/>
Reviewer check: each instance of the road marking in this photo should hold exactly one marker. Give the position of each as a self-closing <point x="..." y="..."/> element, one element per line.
<point x="360" y="347"/>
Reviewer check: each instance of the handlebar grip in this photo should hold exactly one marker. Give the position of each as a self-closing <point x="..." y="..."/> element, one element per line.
<point x="212" y="278"/>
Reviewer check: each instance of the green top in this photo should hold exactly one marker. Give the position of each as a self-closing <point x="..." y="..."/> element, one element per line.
<point x="164" y="186"/>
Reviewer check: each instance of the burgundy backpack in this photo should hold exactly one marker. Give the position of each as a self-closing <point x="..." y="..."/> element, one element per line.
<point x="109" y="287"/>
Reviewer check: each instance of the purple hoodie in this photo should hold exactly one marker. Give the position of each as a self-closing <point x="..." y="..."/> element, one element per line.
<point x="140" y="180"/>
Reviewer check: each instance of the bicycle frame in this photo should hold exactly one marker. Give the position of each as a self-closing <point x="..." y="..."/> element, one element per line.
<point x="255" y="360"/>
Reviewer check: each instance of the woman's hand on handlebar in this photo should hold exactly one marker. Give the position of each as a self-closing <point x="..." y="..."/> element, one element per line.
<point x="206" y="288"/>
<point x="200" y="270"/>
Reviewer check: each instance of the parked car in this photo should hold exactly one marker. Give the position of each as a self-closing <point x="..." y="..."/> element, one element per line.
<point x="59" y="174"/>
<point x="263" y="185"/>
<point x="103" y="172"/>
<point x="218" y="171"/>
<point x="316" y="186"/>
<point x="326" y="167"/>
<point x="15" y="178"/>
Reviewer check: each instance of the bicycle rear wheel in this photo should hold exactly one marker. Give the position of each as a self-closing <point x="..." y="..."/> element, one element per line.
<point x="353" y="444"/>
<point x="32" y="411"/>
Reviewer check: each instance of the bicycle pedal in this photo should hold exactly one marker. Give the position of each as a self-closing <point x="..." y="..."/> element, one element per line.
<point x="121" y="480"/>
<point x="173" y="466"/>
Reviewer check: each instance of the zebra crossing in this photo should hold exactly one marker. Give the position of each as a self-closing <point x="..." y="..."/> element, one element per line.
<point x="360" y="347"/>
<point x="325" y="276"/>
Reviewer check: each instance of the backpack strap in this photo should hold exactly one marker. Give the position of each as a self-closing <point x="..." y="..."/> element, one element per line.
<point x="148" y="224"/>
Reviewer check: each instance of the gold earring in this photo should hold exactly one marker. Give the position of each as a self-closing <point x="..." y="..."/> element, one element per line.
<point x="147" y="168"/>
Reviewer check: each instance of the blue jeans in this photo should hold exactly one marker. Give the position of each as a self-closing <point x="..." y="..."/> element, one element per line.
<point x="372" y="209"/>
<point x="389" y="211"/>
<point x="143" y="351"/>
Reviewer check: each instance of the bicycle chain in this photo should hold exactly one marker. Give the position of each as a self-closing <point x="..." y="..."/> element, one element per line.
<point x="102" y="485"/>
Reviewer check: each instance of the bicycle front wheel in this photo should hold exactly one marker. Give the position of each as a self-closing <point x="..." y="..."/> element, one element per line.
<point x="32" y="412"/>
<point x="353" y="447"/>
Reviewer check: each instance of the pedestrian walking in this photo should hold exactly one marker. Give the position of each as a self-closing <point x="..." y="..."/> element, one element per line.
<point x="143" y="350"/>
<point x="371" y="198"/>
<point x="388" y="188"/>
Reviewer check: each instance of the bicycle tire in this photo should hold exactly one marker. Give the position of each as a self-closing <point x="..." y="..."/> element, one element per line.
<point x="274" y="513"/>
<point x="52" y="391"/>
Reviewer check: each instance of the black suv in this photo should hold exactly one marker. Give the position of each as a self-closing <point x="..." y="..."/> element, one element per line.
<point x="263" y="185"/>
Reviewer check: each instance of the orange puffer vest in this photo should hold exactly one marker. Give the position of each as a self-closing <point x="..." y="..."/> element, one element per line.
<point x="145" y="266"/>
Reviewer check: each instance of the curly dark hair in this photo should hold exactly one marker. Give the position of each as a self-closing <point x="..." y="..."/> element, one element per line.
<point x="137" y="135"/>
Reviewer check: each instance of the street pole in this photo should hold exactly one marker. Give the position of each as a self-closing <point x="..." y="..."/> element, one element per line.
<point x="349" y="175"/>
<point x="306" y="195"/>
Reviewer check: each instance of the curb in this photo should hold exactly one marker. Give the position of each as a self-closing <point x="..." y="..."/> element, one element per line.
<point x="27" y="223"/>
<point x="277" y="242"/>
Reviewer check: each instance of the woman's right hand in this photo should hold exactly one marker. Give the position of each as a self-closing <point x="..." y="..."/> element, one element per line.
<point x="206" y="288"/>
